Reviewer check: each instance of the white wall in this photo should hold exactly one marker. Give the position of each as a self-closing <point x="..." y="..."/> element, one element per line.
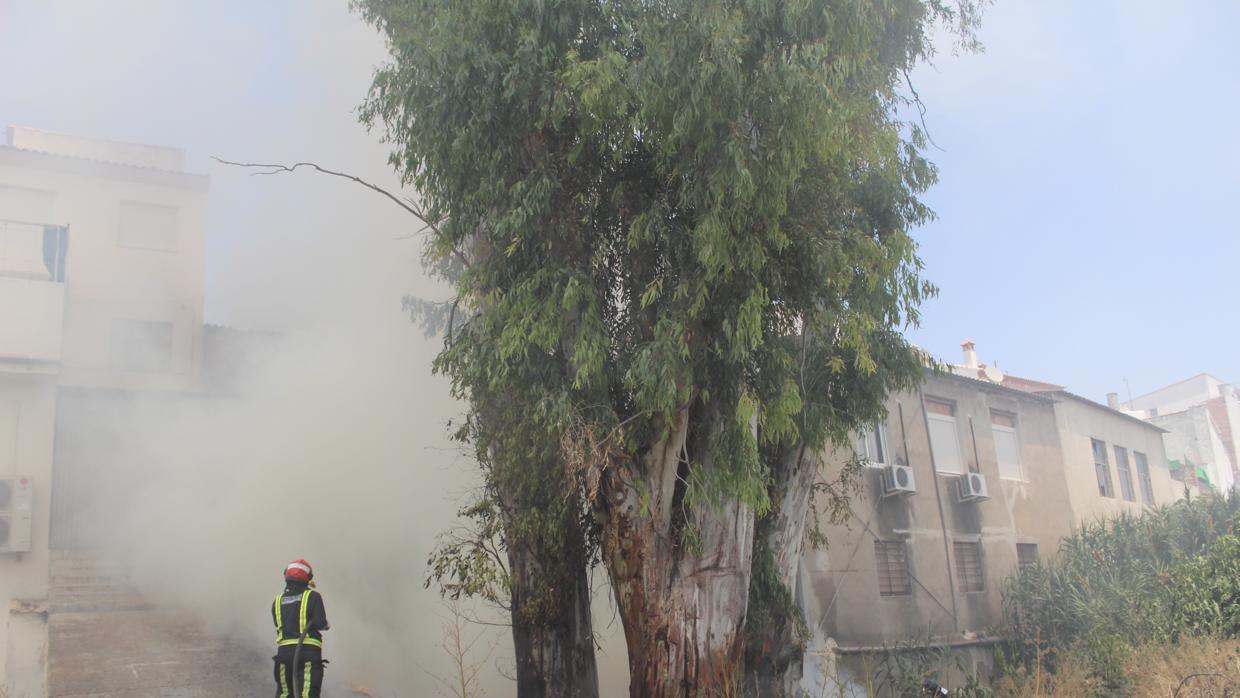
<point x="1231" y="402"/>
<point x="106" y="282"/>
<point x="1221" y="469"/>
<point x="27" y="418"/>
<point x="31" y="313"/>
<point x="1192" y="435"/>
<point x="1178" y="396"/>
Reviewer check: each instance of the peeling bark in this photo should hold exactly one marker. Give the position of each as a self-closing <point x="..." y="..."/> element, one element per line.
<point x="774" y="656"/>
<point x="683" y="609"/>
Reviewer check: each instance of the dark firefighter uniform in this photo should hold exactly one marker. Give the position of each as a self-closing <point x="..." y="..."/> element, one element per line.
<point x="299" y="610"/>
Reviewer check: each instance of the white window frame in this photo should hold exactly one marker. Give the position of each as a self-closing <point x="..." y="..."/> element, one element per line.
<point x="1123" y="473"/>
<point x="1015" y="432"/>
<point x="1105" y="465"/>
<point x="171" y="241"/>
<point x="1145" y="481"/>
<point x="943" y="419"/>
<point x="868" y="437"/>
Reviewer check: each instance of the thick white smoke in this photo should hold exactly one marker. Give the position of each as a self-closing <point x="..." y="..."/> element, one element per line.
<point x="334" y="448"/>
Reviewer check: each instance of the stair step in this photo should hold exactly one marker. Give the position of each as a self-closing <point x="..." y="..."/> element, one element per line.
<point x="101" y="593"/>
<point x="99" y="606"/>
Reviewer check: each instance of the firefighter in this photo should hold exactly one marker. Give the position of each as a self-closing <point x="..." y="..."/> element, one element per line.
<point x="300" y="620"/>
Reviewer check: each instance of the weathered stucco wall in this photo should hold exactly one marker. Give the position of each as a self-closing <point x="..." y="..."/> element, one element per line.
<point x="841" y="590"/>
<point x="1080" y="422"/>
<point x="27" y="416"/>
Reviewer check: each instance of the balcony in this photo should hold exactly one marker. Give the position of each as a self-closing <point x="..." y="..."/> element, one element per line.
<point x="32" y="295"/>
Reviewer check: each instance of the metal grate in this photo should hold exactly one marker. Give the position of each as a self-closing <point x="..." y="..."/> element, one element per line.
<point x="1026" y="555"/>
<point x="969" y="565"/>
<point x="892" y="560"/>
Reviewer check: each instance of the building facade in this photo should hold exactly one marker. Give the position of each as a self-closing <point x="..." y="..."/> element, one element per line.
<point x="968" y="479"/>
<point x="1201" y="416"/>
<point x="1114" y="463"/>
<point x="101" y="292"/>
<point x="922" y="562"/>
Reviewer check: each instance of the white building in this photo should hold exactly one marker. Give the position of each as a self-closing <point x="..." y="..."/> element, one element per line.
<point x="101" y="291"/>
<point x="1201" y="416"/>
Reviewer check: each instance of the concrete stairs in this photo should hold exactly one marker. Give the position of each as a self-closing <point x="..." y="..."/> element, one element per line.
<point x="105" y="640"/>
<point x="88" y="581"/>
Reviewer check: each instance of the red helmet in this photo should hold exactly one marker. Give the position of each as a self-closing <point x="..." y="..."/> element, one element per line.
<point x="298" y="570"/>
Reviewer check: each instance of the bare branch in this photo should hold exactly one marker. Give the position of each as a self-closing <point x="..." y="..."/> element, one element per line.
<point x="270" y="169"/>
<point x="921" y="108"/>
<point x="407" y="203"/>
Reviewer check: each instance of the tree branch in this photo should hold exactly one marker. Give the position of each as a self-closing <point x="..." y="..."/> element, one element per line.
<point x="262" y="168"/>
<point x="270" y="169"/>
<point x="921" y="108"/>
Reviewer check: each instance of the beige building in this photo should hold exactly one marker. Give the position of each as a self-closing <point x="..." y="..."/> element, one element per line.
<point x="1114" y="463"/>
<point x="967" y="479"/>
<point x="965" y="482"/>
<point x="101" y="291"/>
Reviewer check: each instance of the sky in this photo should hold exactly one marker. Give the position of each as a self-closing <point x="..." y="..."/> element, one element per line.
<point x="1087" y="162"/>
<point x="1086" y="233"/>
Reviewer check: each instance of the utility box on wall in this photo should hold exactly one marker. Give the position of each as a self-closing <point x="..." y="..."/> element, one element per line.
<point x="16" y="510"/>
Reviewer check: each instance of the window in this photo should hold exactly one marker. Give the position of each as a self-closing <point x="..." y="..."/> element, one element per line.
<point x="944" y="441"/>
<point x="139" y="345"/>
<point x="1007" y="445"/>
<point x="1026" y="555"/>
<point x="27" y="205"/>
<point x="148" y="226"/>
<point x="1125" y="476"/>
<point x="1102" y="468"/>
<point x="892" y="560"/>
<point x="969" y="565"/>
<point x="1143" y="477"/>
<point x="872" y="444"/>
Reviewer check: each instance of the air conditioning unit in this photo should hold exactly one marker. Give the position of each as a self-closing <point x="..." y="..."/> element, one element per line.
<point x="16" y="505"/>
<point x="898" y="480"/>
<point x="972" y="487"/>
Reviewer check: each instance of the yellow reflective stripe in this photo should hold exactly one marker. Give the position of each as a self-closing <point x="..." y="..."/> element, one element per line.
<point x="305" y="691"/>
<point x="283" y="683"/>
<point x="310" y="642"/>
<point x="305" y="601"/>
<point x="279" y="619"/>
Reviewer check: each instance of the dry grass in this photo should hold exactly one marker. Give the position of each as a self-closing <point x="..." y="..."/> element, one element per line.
<point x="1194" y="668"/>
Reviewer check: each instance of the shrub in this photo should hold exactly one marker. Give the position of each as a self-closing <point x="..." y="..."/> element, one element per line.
<point x="1126" y="583"/>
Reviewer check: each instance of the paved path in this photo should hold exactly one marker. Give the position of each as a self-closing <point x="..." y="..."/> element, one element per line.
<point x="127" y="654"/>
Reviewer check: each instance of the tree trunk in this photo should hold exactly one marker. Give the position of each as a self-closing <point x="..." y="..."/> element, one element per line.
<point x="682" y="605"/>
<point x="553" y="642"/>
<point x="775" y="650"/>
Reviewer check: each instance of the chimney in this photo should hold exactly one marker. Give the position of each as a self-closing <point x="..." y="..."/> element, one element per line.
<point x="1225" y="390"/>
<point x="1113" y="400"/>
<point x="970" y="353"/>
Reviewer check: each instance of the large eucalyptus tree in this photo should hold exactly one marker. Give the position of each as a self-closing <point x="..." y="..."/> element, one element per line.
<point x="680" y="229"/>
